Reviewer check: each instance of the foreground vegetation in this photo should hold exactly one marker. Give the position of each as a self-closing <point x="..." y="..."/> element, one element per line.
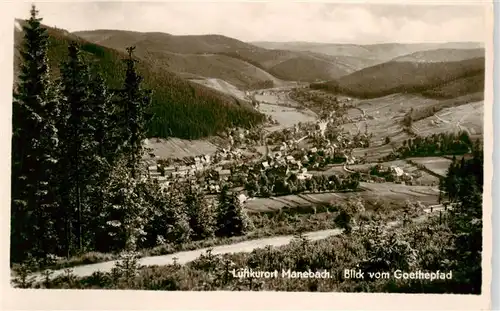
<point x="452" y="242"/>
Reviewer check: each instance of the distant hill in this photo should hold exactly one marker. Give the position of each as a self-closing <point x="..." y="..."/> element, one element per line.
<point x="440" y="79"/>
<point x="441" y="55"/>
<point x="377" y="52"/>
<point x="215" y="56"/>
<point x="182" y="109"/>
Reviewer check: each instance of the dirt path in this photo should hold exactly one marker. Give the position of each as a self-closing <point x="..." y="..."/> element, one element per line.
<point x="246" y="246"/>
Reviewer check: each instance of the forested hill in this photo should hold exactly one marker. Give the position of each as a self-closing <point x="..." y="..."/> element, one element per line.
<point x="442" y="80"/>
<point x="181" y="108"/>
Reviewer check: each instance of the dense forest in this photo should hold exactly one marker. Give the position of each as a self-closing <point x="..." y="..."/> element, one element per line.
<point x="181" y="108"/>
<point x="78" y="181"/>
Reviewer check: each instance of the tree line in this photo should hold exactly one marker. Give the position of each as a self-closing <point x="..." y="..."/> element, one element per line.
<point x="435" y="145"/>
<point x="274" y="182"/>
<point x="78" y="183"/>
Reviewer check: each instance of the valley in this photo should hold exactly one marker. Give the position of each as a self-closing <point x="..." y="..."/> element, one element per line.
<point x="204" y="152"/>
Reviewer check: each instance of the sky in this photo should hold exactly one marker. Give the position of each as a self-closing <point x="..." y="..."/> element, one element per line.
<point x="360" y="23"/>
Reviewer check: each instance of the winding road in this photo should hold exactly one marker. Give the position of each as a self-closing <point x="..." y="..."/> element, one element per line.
<point x="241" y="247"/>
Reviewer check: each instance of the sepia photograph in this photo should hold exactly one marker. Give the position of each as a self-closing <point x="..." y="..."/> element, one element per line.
<point x="250" y="146"/>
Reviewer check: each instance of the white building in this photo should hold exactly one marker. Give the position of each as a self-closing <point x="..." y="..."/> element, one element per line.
<point x="243" y="198"/>
<point x="397" y="171"/>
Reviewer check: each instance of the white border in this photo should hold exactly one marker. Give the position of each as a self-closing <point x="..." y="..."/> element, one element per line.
<point x="143" y="300"/>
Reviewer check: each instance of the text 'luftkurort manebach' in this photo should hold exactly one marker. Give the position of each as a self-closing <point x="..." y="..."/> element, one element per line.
<point x="347" y="274"/>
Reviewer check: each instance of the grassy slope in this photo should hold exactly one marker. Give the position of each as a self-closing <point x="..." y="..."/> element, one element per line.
<point x="382" y="52"/>
<point x="439" y="80"/>
<point x="196" y="55"/>
<point x="182" y="109"/>
<point x="441" y="55"/>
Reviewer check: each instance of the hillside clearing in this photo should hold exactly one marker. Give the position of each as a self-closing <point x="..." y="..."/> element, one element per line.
<point x="286" y="117"/>
<point x="467" y="117"/>
<point x="221" y="86"/>
<point x="438" y="165"/>
<point x="382" y="191"/>
<point x="382" y="116"/>
<point x="179" y="148"/>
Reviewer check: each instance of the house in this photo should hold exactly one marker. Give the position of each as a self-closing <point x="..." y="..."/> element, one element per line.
<point x="225" y="172"/>
<point x="314" y="150"/>
<point x="265" y="165"/>
<point x="304" y="176"/>
<point x="242" y="198"/>
<point x="206" y="158"/>
<point x="214" y="188"/>
<point x="350" y="159"/>
<point x="290" y="159"/>
<point x="295" y="166"/>
<point x="397" y="171"/>
<point x="169" y="169"/>
<point x="179" y="173"/>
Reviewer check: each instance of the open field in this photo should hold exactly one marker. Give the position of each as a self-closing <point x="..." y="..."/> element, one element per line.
<point x="384" y="191"/>
<point x="222" y="86"/>
<point x="286" y="117"/>
<point x="438" y="165"/>
<point x="180" y="148"/>
<point x="383" y="115"/>
<point x="467" y="117"/>
<point x="280" y="98"/>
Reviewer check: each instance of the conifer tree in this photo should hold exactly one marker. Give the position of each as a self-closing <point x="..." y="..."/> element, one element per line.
<point x="34" y="141"/>
<point x="136" y="103"/>
<point x="104" y="155"/>
<point x="166" y="218"/>
<point x="123" y="218"/>
<point x="200" y="214"/>
<point x="77" y="148"/>
<point x="232" y="220"/>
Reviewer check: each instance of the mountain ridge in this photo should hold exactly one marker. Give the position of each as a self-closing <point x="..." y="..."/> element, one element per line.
<point x="182" y="109"/>
<point x="282" y="64"/>
<point x="438" y="79"/>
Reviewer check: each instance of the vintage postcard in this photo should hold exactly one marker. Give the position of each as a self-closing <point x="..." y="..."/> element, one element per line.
<point x="255" y="155"/>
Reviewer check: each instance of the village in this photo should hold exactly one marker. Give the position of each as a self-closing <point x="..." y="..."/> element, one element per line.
<point x="308" y="157"/>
